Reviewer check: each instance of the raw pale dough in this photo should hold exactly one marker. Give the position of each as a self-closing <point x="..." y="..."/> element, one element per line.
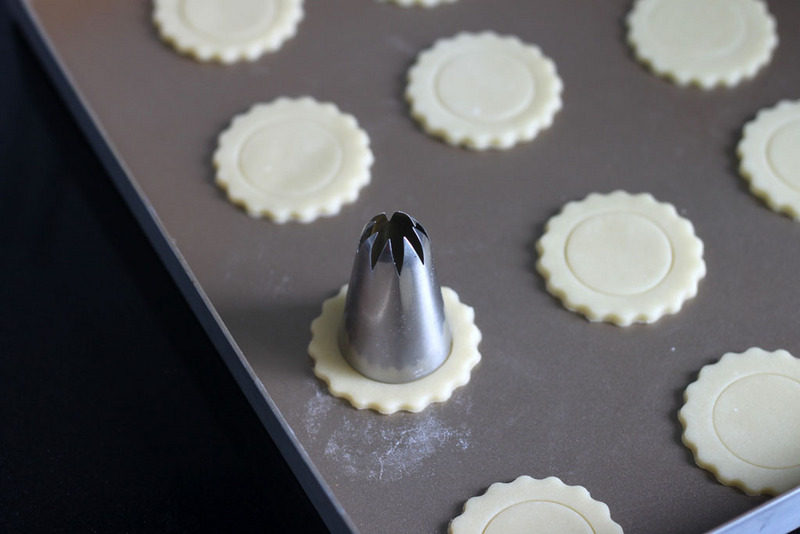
<point x="529" y="505"/>
<point x="227" y="30"/>
<point x="705" y="42"/>
<point x="345" y="382"/>
<point x="770" y="154"/>
<point x="423" y="3"/>
<point x="621" y="258"/>
<point x="742" y="420"/>
<point x="483" y="90"/>
<point x="293" y="159"/>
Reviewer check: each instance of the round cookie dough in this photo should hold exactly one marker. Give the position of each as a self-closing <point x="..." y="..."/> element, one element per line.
<point x="227" y="30"/>
<point x="293" y="160"/>
<point x="741" y="420"/>
<point x="483" y="90"/>
<point x="704" y="42"/>
<point x="345" y="382"/>
<point x="530" y="505"/>
<point x="770" y="157"/>
<point x="423" y="3"/>
<point x="621" y="258"/>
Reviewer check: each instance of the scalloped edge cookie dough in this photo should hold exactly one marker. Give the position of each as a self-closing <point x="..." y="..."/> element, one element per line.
<point x="345" y="382"/>
<point x="212" y="30"/>
<point x="621" y="258"/>
<point x="770" y="157"/>
<point x="483" y="90"/>
<point x="741" y="420"/>
<point x="422" y="3"/>
<point x="293" y="159"/>
<point x="522" y="505"/>
<point x="696" y="42"/>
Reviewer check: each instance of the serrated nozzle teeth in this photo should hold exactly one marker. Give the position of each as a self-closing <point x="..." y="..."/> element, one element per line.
<point x="387" y="239"/>
<point x="394" y="327"/>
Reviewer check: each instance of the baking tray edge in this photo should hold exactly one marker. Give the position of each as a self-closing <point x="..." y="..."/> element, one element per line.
<point x="327" y="506"/>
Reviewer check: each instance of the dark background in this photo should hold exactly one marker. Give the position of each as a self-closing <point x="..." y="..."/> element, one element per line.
<point x="116" y="413"/>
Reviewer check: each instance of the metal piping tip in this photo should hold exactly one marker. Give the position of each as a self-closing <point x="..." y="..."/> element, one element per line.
<point x="394" y="327"/>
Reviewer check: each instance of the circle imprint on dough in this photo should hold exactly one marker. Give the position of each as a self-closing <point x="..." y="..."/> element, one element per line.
<point x="684" y="25"/>
<point x="229" y="20"/>
<point x="538" y="516"/>
<point x="783" y="154"/>
<point x="290" y="158"/>
<point x="757" y="420"/>
<point x="485" y="86"/>
<point x="618" y="253"/>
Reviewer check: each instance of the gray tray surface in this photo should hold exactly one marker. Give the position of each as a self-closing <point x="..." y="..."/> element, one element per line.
<point x="593" y="404"/>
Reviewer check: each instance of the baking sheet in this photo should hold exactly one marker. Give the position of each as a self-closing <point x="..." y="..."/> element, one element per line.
<point x="593" y="404"/>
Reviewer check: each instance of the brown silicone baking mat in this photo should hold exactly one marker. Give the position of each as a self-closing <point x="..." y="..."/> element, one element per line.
<point x="593" y="404"/>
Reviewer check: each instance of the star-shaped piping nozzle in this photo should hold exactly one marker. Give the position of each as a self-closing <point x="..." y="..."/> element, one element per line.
<point x="394" y="328"/>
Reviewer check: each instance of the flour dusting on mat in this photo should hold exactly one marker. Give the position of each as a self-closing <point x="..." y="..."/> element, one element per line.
<point x="317" y="408"/>
<point x="372" y="450"/>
